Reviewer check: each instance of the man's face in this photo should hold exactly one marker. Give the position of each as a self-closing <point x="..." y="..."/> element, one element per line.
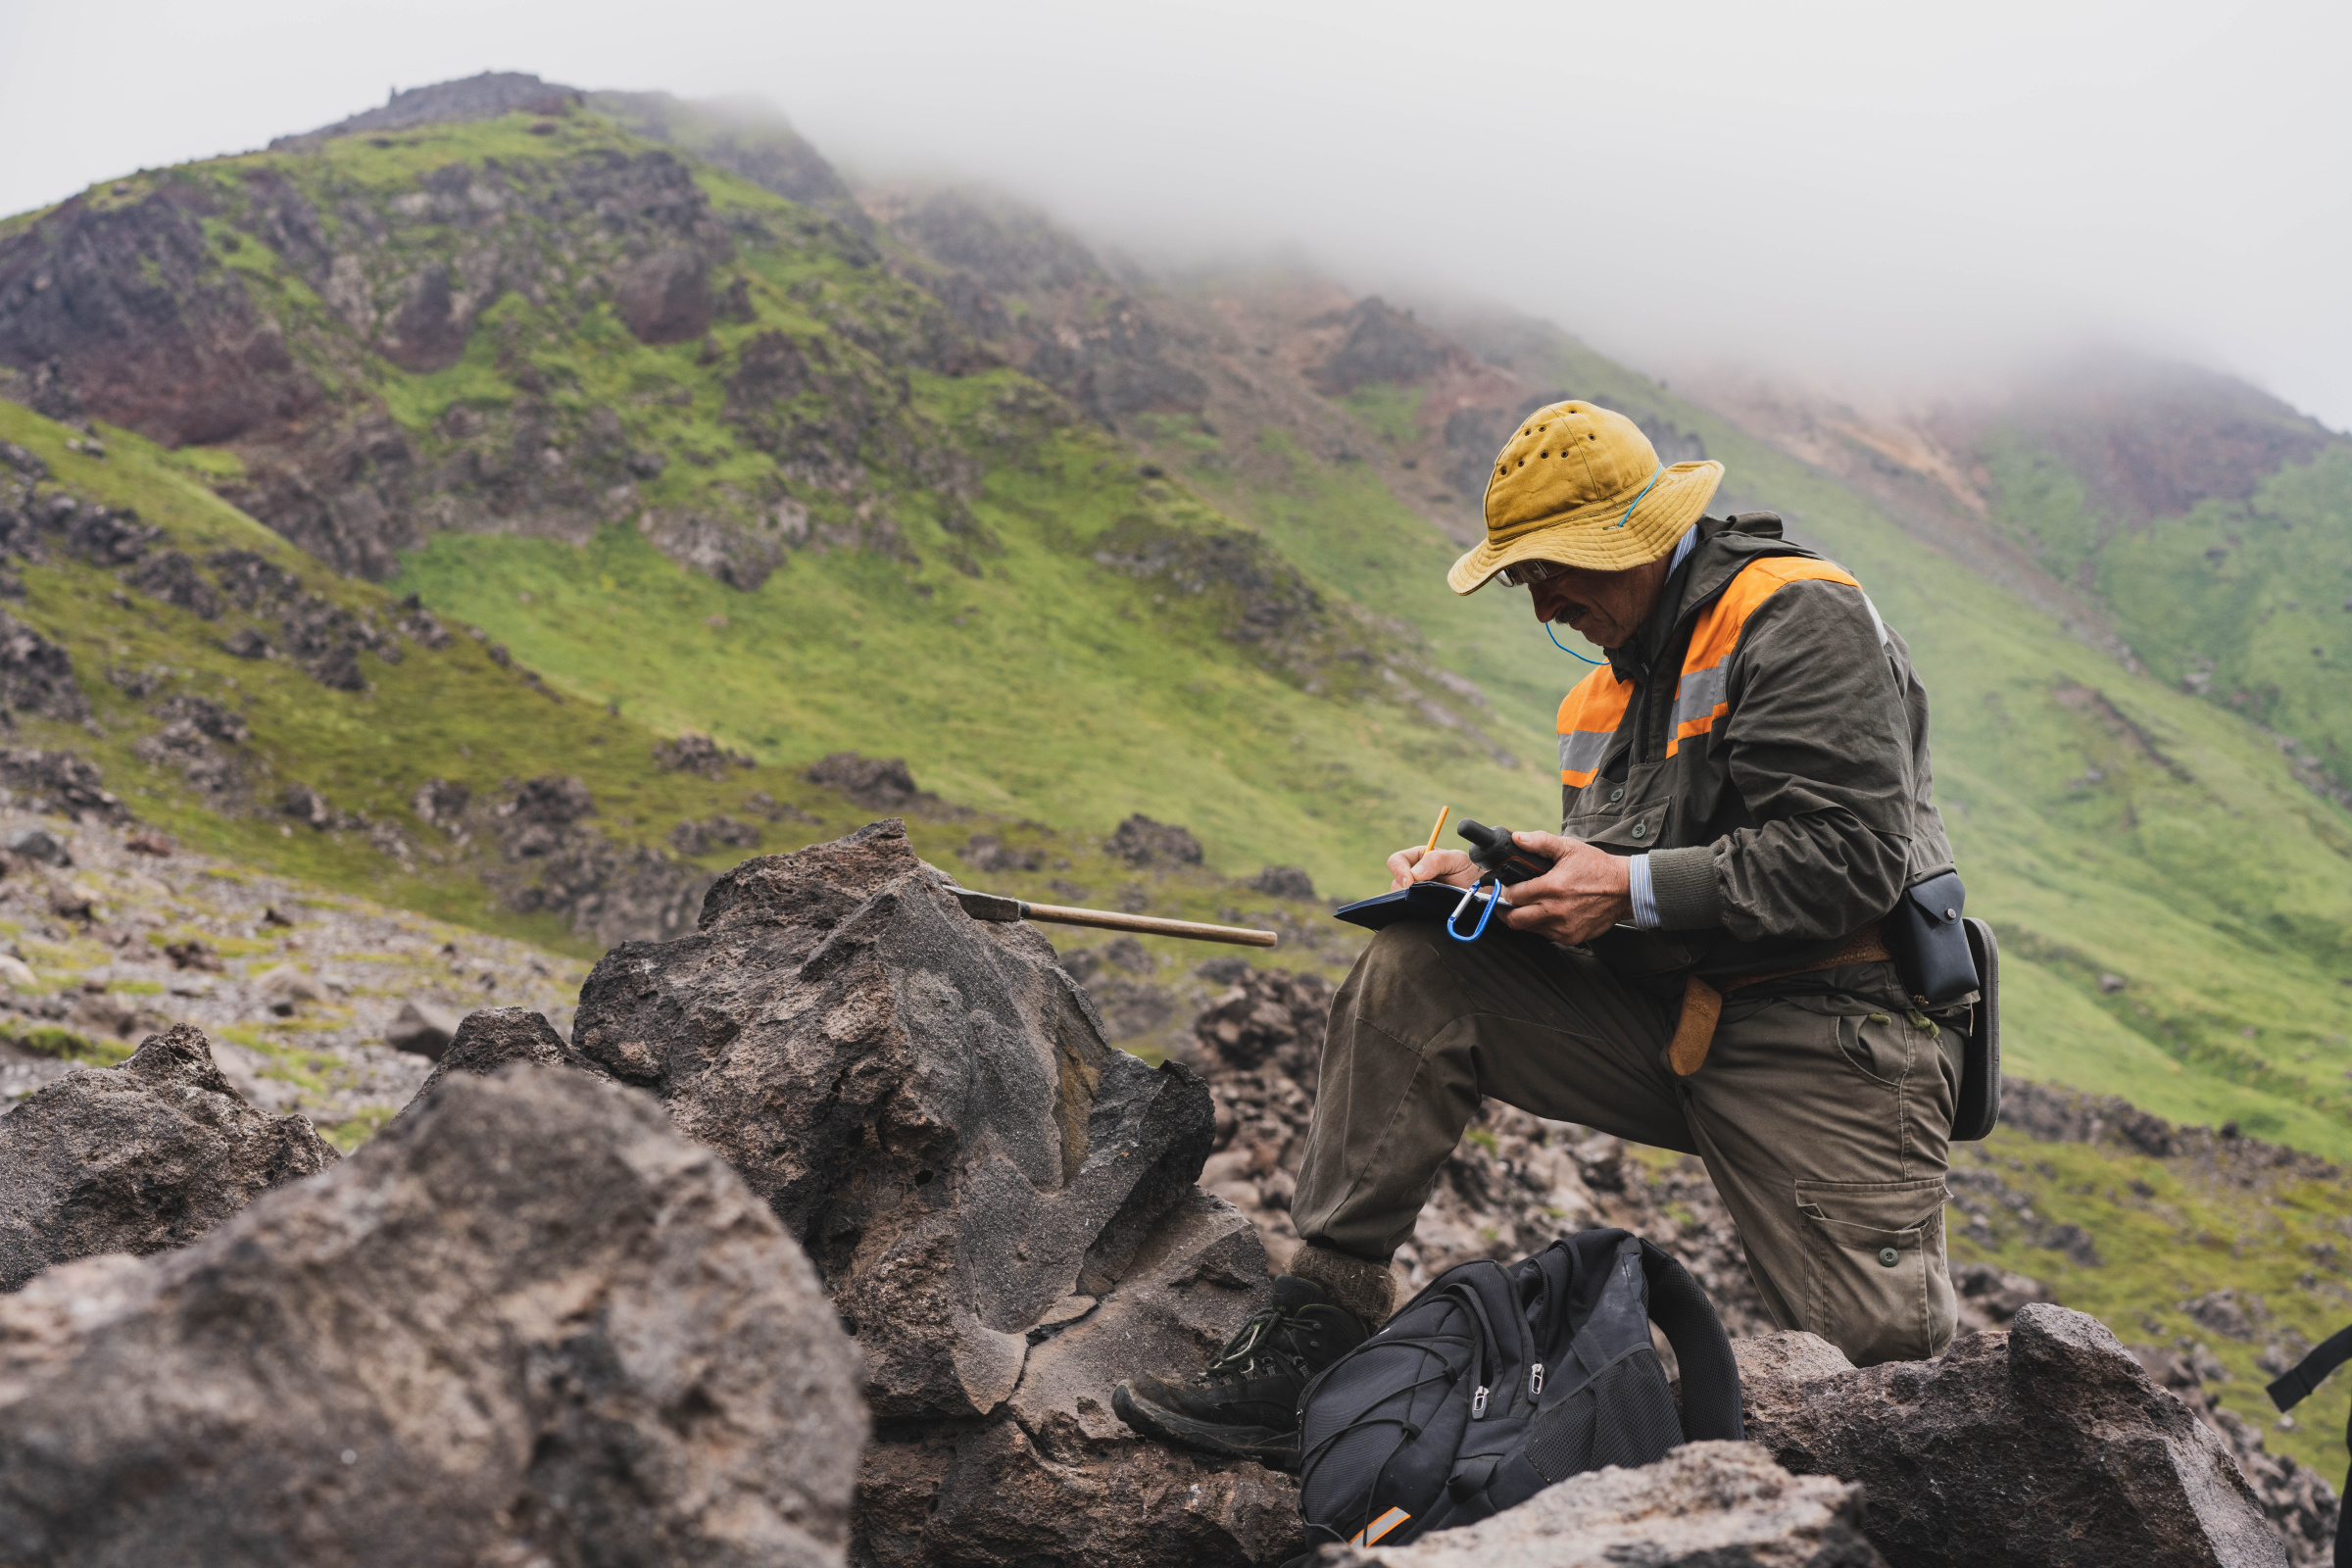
<point x="1606" y="606"/>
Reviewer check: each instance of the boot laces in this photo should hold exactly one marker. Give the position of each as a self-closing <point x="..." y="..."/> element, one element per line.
<point x="1241" y="1352"/>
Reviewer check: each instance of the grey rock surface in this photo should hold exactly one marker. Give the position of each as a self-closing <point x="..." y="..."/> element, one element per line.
<point x="1001" y="1205"/>
<point x="1198" y="1276"/>
<point x="421" y="1029"/>
<point x="1704" y="1506"/>
<point x="483" y="1042"/>
<point x="925" y="1100"/>
<point x="2301" y="1502"/>
<point x="2047" y="1444"/>
<point x="987" y="1495"/>
<point x="138" y="1159"/>
<point x="531" y="1324"/>
<point x="1057" y="1477"/>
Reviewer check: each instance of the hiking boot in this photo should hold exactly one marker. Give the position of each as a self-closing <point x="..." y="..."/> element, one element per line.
<point x="1244" y="1403"/>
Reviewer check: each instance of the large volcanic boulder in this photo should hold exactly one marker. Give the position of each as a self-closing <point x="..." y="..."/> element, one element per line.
<point x="1704" y="1506"/>
<point x="2047" y="1444"/>
<point x="1001" y="1203"/>
<point x="139" y="1158"/>
<point x="530" y="1324"/>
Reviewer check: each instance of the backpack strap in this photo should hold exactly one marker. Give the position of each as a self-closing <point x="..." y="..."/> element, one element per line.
<point x="2306" y="1375"/>
<point x="1710" y="1377"/>
<point x="2297" y="1385"/>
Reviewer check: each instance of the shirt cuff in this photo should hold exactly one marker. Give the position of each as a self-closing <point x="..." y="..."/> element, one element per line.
<point x="1646" y="899"/>
<point x="1682" y="889"/>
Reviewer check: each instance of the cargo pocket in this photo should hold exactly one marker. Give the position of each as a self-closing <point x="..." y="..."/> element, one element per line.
<point x="1879" y="1288"/>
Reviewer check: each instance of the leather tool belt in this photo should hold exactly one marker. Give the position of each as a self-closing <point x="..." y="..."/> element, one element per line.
<point x="1702" y="1002"/>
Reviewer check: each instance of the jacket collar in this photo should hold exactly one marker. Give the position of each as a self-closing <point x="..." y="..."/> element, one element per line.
<point x="1725" y="545"/>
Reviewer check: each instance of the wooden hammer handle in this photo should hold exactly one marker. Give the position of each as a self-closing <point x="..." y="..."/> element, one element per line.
<point x="1150" y="925"/>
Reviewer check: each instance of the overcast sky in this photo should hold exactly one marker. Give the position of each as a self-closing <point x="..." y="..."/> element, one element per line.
<point x="1875" y="195"/>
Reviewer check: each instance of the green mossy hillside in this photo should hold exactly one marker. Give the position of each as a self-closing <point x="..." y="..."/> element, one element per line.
<point x="457" y="713"/>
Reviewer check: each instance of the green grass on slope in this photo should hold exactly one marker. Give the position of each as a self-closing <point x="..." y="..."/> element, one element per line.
<point x="1049" y="686"/>
<point x="1363" y="540"/>
<point x="2167" y="1232"/>
<point x="2253" y="603"/>
<point x="455" y="715"/>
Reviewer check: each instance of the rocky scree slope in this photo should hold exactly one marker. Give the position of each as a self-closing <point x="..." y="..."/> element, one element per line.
<point x="112" y="933"/>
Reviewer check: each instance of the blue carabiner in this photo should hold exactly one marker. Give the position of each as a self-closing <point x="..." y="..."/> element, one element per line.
<point x="1494" y="896"/>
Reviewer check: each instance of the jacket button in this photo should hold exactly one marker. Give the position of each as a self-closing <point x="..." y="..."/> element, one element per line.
<point x="1888" y="1257"/>
<point x="1640" y="830"/>
<point x="1616" y="795"/>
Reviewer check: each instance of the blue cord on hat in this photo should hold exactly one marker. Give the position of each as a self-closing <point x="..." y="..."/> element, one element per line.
<point x="1654" y="479"/>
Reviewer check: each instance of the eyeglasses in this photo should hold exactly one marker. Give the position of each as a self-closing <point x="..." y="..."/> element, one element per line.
<point x="1527" y="574"/>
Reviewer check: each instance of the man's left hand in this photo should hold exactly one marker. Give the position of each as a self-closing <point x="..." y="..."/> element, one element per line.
<point x="1586" y="892"/>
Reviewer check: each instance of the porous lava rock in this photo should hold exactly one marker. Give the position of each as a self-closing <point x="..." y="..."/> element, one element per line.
<point x="1001" y="1204"/>
<point x="2047" y="1444"/>
<point x="140" y="1158"/>
<point x="1704" y="1506"/>
<point x="923" y="1098"/>
<point x="530" y="1324"/>
<point x="493" y="1038"/>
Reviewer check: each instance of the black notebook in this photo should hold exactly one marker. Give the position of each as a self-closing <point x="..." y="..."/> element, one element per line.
<point x="1423" y="901"/>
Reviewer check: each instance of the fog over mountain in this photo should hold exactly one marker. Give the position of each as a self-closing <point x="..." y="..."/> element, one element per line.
<point x="1888" y="199"/>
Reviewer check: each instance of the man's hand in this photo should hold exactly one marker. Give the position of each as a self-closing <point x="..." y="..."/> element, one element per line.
<point x="1584" y="894"/>
<point x="1417" y="864"/>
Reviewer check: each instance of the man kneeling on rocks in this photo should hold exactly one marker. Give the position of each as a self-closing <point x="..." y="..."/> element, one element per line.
<point x="1746" y="794"/>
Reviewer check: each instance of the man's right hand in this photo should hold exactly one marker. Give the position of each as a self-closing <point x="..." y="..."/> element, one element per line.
<point x="1417" y="864"/>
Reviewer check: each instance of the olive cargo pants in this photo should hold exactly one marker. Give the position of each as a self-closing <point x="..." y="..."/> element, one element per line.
<point x="1823" y="1122"/>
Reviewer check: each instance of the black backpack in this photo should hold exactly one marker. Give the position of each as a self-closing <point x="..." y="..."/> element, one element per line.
<point x="1498" y="1381"/>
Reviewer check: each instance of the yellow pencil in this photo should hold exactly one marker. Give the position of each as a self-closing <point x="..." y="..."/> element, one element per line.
<point x="1444" y="811"/>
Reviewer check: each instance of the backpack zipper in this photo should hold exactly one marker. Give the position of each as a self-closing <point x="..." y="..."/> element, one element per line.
<point x="1478" y="1310"/>
<point x="1535" y="1380"/>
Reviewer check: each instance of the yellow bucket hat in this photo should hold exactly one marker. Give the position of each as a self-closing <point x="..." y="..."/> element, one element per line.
<point x="1583" y="486"/>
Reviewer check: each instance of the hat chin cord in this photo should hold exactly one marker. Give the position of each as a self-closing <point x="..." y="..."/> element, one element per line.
<point x="1565" y="649"/>
<point x="1645" y="489"/>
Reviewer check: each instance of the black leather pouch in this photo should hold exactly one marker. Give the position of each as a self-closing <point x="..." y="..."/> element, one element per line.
<point x="1979" y="1104"/>
<point x="1929" y="945"/>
